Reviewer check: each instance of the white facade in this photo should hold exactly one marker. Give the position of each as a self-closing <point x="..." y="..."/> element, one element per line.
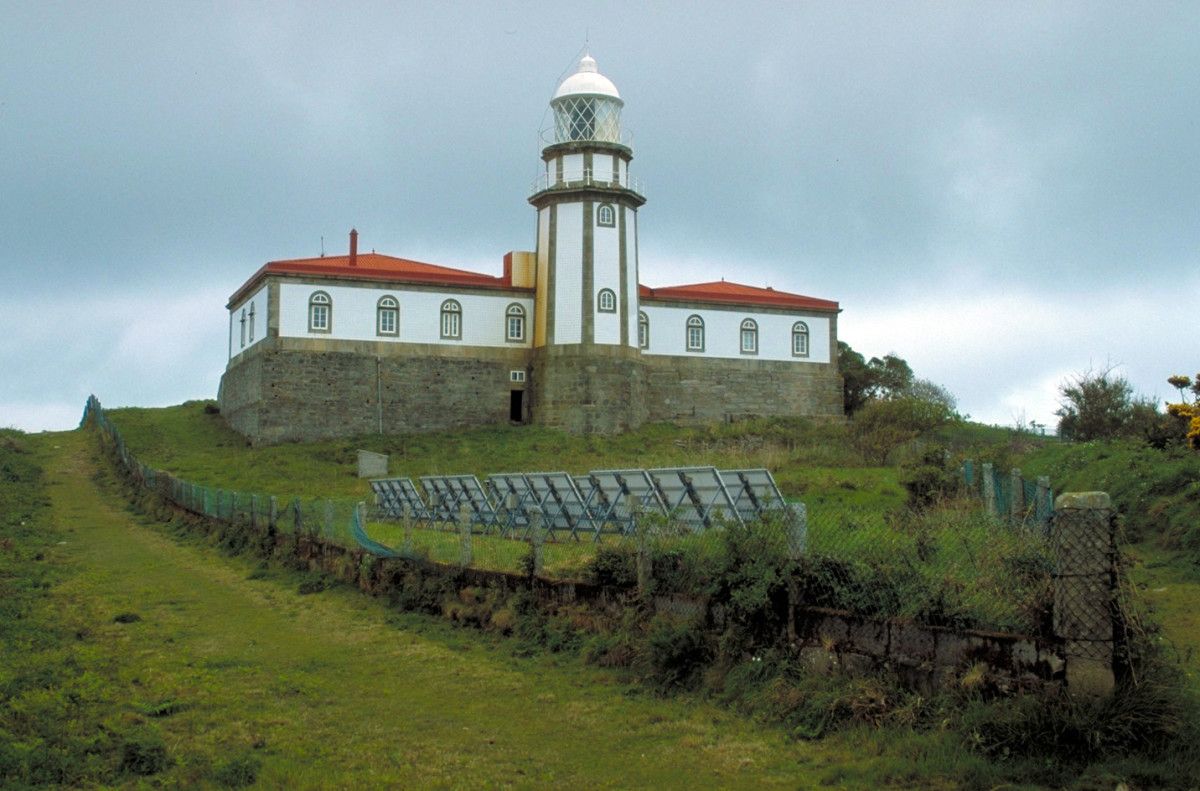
<point x="354" y="316"/>
<point x="606" y="274"/>
<point x="568" y="274"/>
<point x="723" y="334"/>
<point x="248" y="322"/>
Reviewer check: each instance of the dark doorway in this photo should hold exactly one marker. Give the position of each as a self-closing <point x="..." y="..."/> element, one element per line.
<point x="516" y="406"/>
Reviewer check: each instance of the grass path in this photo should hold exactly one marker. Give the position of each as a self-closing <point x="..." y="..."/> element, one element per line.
<point x="1170" y="586"/>
<point x="334" y="690"/>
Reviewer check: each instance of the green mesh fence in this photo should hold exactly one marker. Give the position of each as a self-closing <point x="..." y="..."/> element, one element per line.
<point x="1015" y="499"/>
<point x="956" y="566"/>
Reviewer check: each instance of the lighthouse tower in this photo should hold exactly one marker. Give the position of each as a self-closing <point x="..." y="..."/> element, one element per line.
<point x="587" y="367"/>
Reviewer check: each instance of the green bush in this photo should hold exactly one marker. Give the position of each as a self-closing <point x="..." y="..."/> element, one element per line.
<point x="676" y="653"/>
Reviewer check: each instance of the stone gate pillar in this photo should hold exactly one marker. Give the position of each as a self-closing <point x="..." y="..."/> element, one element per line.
<point x="1085" y="583"/>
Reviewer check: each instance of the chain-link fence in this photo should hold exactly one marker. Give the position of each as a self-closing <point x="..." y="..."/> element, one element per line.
<point x="956" y="566"/>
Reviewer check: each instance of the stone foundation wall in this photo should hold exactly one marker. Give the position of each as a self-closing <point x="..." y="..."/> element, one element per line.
<point x="697" y="389"/>
<point x="926" y="657"/>
<point x="286" y="390"/>
<point x="588" y="389"/>
<point x="281" y="394"/>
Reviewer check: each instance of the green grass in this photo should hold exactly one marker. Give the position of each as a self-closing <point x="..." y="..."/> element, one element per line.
<point x="810" y="460"/>
<point x="1156" y="491"/>
<point x="173" y="665"/>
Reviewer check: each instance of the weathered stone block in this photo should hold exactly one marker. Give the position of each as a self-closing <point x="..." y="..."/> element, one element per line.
<point x="372" y="465"/>
<point x="869" y="637"/>
<point x="911" y="644"/>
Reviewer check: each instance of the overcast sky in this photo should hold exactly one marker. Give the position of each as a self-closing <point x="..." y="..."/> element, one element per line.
<point x="1003" y="194"/>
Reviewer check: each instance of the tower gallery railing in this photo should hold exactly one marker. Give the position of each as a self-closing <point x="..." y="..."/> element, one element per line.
<point x="586" y="178"/>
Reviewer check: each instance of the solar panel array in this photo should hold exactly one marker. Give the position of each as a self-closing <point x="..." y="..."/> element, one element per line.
<point x="575" y="507"/>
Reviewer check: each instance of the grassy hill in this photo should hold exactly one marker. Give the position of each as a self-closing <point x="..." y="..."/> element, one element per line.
<point x="810" y="460"/>
<point x="184" y="666"/>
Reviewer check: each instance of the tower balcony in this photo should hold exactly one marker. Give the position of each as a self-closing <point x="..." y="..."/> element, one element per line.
<point x="587" y="178"/>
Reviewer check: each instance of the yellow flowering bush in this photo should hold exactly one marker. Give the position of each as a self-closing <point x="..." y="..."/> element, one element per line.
<point x="1188" y="409"/>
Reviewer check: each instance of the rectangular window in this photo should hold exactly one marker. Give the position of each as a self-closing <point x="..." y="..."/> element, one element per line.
<point x="749" y="341"/>
<point x="387" y="322"/>
<point x="643" y="341"/>
<point x="516" y="376"/>
<point x="800" y="344"/>
<point x="696" y="339"/>
<point x="450" y="325"/>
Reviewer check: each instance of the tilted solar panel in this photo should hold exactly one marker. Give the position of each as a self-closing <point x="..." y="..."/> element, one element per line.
<point x="753" y="491"/>
<point x="695" y="496"/>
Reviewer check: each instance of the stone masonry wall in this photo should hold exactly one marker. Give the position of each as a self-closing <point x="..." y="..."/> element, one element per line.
<point x="588" y="389"/>
<point x="696" y="389"/>
<point x="283" y="395"/>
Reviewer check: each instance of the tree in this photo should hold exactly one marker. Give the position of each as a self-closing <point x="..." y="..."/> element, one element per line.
<point x="856" y="378"/>
<point x="885" y="378"/>
<point x="1095" y="405"/>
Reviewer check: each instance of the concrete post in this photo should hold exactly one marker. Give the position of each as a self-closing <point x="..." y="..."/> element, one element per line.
<point x="1085" y="582"/>
<point x="537" y="538"/>
<point x="797" y="542"/>
<point x="989" y="489"/>
<point x="464" y="528"/>
<point x="406" y="516"/>
<point x="797" y="527"/>
<point x="645" y="565"/>
<point x="1044" y="507"/>
<point x="1016" y="503"/>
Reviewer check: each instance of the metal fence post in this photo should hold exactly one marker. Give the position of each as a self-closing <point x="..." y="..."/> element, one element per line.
<point x="1085" y="583"/>
<point x="1016" y="501"/>
<point x="464" y="527"/>
<point x="989" y="489"/>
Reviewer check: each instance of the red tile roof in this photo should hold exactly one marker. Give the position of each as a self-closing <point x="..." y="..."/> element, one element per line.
<point x="376" y="266"/>
<point x="725" y="291"/>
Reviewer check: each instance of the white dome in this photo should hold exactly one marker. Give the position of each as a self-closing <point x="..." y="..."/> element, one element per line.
<point x="586" y="80"/>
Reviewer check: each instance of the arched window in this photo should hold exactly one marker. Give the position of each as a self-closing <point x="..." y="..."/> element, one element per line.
<point x="451" y="320"/>
<point x="514" y="325"/>
<point x="387" y="316"/>
<point x="251" y="322"/>
<point x="749" y="336"/>
<point x="695" y="334"/>
<point x="799" y="339"/>
<point x="643" y="330"/>
<point x="320" y="312"/>
<point x="606" y="216"/>
<point x="606" y="301"/>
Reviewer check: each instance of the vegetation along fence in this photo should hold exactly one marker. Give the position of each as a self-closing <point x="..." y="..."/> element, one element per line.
<point x="957" y="566"/>
<point x="1011" y="496"/>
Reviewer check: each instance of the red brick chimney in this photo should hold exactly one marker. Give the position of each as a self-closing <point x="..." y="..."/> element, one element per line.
<point x="353" y="247"/>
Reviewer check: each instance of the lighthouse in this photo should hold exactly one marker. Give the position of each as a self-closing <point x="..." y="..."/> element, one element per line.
<point x="587" y="366"/>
